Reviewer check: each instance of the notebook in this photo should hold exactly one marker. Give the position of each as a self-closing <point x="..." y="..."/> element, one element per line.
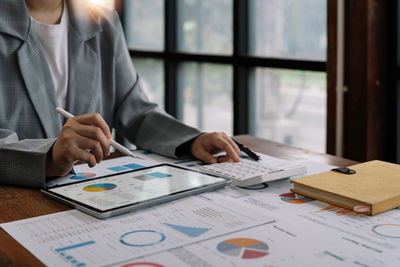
<point x="375" y="184"/>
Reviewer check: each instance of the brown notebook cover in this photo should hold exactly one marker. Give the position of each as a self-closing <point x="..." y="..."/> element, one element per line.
<point x="375" y="184"/>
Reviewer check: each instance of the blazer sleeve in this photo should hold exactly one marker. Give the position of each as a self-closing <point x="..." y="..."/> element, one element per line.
<point x="139" y="120"/>
<point x="23" y="163"/>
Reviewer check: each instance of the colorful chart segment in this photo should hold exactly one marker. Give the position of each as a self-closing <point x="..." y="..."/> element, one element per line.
<point x="245" y="248"/>
<point x="294" y="198"/>
<point x="126" y="167"/>
<point x="63" y="252"/>
<point x="159" y="175"/>
<point x="190" y="163"/>
<point x="187" y="230"/>
<point x="143" y="264"/>
<point x="255" y="187"/>
<point x="83" y="176"/>
<point x="339" y="211"/>
<point x="99" y="187"/>
<point x="142" y="238"/>
<point x="387" y="230"/>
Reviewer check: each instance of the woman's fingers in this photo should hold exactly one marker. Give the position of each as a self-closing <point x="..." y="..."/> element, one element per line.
<point x="85" y="138"/>
<point x="205" y="145"/>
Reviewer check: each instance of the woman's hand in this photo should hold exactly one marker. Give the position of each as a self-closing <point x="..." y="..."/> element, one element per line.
<point x="205" y="145"/>
<point x="82" y="138"/>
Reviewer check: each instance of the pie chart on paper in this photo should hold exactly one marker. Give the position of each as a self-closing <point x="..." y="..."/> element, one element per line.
<point x="294" y="198"/>
<point x="99" y="187"/>
<point x="83" y="176"/>
<point x="244" y="248"/>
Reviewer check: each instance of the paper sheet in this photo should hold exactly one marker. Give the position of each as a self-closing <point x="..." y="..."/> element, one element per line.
<point x="72" y="238"/>
<point x="262" y="225"/>
<point x="374" y="237"/>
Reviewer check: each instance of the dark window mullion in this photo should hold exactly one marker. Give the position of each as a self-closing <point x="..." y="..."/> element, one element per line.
<point x="243" y="60"/>
<point x="170" y="65"/>
<point x="240" y="71"/>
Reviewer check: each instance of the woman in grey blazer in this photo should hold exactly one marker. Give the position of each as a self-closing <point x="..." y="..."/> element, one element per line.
<point x="103" y="87"/>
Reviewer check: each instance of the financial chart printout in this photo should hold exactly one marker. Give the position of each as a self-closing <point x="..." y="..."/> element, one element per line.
<point x="73" y="238"/>
<point x="133" y="187"/>
<point x="257" y="226"/>
<point x="366" y="237"/>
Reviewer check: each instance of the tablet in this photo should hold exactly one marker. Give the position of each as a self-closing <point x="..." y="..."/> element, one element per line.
<point x="124" y="192"/>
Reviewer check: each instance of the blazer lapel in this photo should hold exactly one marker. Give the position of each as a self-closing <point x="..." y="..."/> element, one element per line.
<point x="83" y="64"/>
<point x="14" y="18"/>
<point x="39" y="84"/>
<point x="83" y="76"/>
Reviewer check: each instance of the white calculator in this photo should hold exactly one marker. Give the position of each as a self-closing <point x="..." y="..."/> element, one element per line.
<point x="249" y="172"/>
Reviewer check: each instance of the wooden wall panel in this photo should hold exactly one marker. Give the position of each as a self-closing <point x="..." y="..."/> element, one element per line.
<point x="355" y="115"/>
<point x="376" y="76"/>
<point x="365" y="108"/>
<point x="331" y="77"/>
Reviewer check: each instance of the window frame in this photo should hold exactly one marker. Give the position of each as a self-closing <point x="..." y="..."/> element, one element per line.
<point x="241" y="61"/>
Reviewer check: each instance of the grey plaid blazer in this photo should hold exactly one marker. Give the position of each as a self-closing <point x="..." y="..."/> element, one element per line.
<point x="101" y="79"/>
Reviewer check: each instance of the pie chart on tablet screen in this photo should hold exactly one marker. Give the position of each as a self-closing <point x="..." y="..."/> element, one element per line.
<point x="99" y="187"/>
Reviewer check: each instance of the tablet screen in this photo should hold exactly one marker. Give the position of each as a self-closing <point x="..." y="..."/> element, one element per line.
<point x="134" y="187"/>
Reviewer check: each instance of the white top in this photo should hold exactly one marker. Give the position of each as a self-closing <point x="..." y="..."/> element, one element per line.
<point x="54" y="39"/>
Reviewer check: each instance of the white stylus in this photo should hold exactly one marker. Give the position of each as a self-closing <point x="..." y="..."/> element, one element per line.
<point x="117" y="146"/>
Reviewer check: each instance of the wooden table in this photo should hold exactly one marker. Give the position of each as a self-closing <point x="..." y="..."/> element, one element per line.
<point x="18" y="203"/>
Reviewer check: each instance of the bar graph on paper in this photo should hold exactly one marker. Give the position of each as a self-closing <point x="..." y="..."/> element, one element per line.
<point x="339" y="211"/>
<point x="64" y="253"/>
<point x="76" y="239"/>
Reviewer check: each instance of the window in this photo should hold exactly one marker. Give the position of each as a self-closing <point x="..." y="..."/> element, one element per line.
<point x="292" y="110"/>
<point x="144" y="24"/>
<point x="205" y="96"/>
<point x="290" y="29"/>
<point x="152" y="78"/>
<point x="239" y="66"/>
<point x="202" y="28"/>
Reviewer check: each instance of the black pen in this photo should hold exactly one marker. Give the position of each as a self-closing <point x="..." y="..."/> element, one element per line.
<point x="247" y="150"/>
